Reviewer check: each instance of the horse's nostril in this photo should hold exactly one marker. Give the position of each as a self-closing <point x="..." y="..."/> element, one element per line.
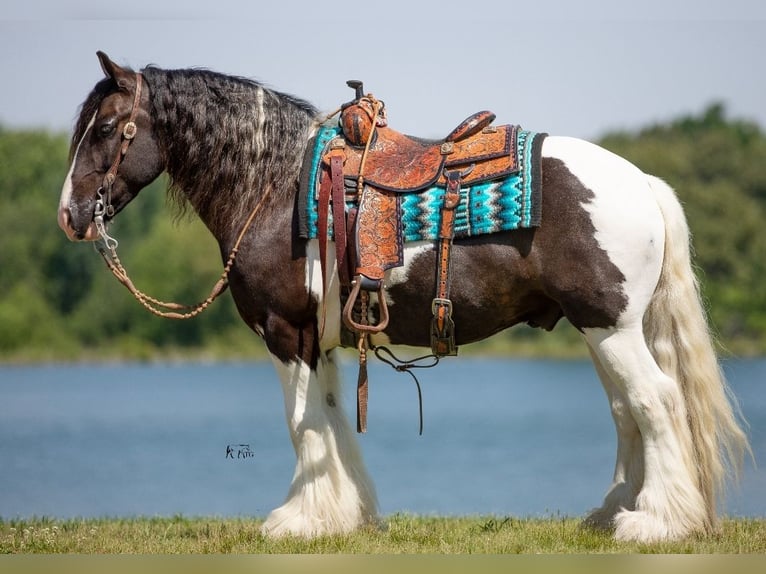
<point x="64" y="217"/>
<point x="65" y="223"/>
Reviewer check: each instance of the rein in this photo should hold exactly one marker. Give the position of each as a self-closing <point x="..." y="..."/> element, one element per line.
<point x="107" y="245"/>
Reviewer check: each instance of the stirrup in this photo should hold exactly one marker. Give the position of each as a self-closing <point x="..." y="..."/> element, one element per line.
<point x="348" y="310"/>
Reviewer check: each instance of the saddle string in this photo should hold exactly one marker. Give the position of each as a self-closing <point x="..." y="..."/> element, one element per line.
<point x="406" y="366"/>
<point x="376" y="107"/>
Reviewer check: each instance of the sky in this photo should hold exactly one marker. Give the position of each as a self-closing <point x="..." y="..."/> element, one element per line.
<point x="580" y="68"/>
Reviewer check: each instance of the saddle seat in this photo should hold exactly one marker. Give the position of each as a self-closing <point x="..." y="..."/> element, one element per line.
<point x="401" y="163"/>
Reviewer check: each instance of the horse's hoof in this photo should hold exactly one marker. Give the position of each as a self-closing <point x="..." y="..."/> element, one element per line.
<point x="641" y="526"/>
<point x="599" y="519"/>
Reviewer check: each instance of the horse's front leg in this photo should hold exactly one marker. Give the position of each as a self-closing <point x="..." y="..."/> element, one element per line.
<point x="331" y="491"/>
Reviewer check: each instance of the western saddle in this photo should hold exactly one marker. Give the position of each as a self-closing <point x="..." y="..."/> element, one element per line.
<point x="369" y="165"/>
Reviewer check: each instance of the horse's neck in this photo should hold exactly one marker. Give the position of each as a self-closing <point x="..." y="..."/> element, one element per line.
<point x="258" y="174"/>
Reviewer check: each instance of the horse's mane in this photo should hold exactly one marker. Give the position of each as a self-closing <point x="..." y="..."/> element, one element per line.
<point x="225" y="139"/>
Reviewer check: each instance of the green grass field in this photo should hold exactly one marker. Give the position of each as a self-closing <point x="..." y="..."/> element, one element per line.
<point x="398" y="534"/>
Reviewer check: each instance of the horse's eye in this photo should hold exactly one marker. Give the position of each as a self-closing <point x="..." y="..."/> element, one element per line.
<point x="107" y="129"/>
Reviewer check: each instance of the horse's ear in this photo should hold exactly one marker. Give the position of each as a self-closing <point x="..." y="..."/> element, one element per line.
<point x="120" y="76"/>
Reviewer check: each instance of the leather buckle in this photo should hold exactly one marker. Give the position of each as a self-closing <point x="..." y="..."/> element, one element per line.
<point x="439" y="302"/>
<point x="442" y="330"/>
<point x="337" y="148"/>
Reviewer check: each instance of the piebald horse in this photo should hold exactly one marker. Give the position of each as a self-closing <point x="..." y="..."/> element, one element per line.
<point x="612" y="256"/>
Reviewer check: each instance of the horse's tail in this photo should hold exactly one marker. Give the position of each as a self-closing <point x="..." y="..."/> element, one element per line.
<point x="676" y="330"/>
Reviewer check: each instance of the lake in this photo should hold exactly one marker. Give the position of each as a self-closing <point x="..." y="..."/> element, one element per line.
<point x="502" y="437"/>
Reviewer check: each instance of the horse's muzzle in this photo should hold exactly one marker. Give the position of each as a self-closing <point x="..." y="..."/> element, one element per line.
<point x="90" y="233"/>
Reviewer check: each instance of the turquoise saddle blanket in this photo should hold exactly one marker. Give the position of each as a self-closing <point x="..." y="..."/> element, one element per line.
<point x="488" y="207"/>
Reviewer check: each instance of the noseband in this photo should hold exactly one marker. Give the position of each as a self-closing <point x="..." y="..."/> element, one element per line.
<point x="104" y="193"/>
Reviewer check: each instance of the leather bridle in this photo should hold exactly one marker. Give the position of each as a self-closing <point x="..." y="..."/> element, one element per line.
<point x="104" y="193"/>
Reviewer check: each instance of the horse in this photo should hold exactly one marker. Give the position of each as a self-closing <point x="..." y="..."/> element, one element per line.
<point x="611" y="256"/>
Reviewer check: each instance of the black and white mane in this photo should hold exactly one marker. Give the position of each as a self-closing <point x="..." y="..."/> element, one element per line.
<point x="219" y="132"/>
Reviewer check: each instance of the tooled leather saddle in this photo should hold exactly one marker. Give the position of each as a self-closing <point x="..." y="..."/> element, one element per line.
<point x="373" y="163"/>
<point x="369" y="165"/>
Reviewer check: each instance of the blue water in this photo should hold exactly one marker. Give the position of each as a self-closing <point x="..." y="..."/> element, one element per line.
<point x="527" y="438"/>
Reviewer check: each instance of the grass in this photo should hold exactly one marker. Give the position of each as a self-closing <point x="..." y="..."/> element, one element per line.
<point x="399" y="534"/>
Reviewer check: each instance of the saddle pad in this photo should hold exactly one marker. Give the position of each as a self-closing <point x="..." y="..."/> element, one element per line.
<point x="490" y="207"/>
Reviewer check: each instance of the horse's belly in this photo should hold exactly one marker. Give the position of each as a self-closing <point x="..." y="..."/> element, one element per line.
<point x="494" y="285"/>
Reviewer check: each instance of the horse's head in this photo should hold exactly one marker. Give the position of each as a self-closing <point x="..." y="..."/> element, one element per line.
<point x="114" y="152"/>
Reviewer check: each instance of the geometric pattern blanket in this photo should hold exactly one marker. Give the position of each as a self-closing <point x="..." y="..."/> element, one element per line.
<point x="488" y="207"/>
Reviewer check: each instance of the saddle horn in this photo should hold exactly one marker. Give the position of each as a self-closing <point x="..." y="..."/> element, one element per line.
<point x="358" y="86"/>
<point x="360" y="116"/>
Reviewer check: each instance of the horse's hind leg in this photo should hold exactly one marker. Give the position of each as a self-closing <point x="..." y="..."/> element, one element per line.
<point x="331" y="491"/>
<point x="669" y="504"/>
<point x="629" y="466"/>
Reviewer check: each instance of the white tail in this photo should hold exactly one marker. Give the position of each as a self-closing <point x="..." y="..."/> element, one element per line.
<point x="676" y="330"/>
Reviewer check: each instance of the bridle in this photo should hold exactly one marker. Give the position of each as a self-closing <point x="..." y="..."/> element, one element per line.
<point x="107" y="245"/>
<point x="104" y="193"/>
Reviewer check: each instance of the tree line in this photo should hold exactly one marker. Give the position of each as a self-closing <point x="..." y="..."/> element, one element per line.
<point x="59" y="302"/>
